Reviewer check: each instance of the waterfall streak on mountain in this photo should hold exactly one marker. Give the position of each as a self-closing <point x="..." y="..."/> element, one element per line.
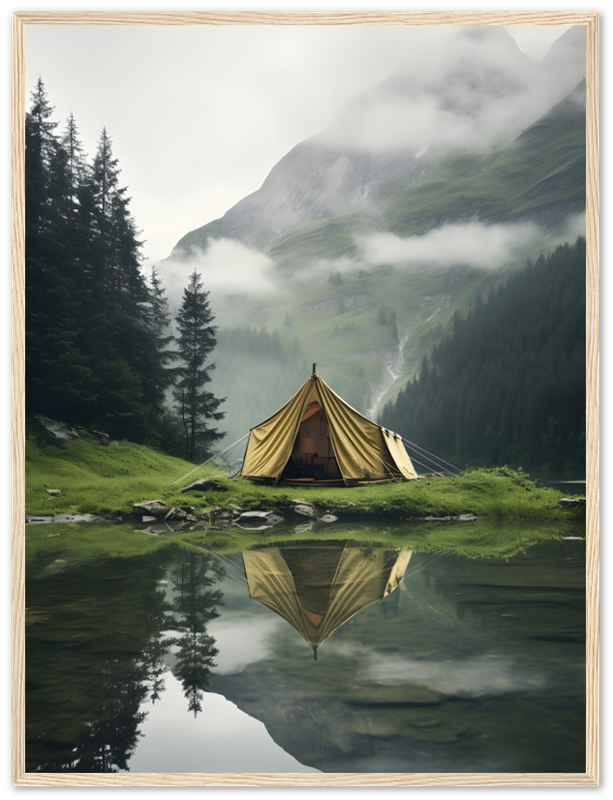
<point x="395" y="370"/>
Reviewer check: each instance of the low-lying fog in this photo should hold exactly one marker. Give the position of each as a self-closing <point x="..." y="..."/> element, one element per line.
<point x="229" y="267"/>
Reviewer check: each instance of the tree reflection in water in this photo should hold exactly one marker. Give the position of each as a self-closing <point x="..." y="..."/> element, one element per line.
<point x="96" y="651"/>
<point x="195" y="605"/>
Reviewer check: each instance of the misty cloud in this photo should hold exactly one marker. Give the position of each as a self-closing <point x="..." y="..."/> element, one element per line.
<point x="226" y="266"/>
<point x="473" y="244"/>
<point x="242" y="641"/>
<point x="482" y="246"/>
<point x="476" y="90"/>
<point x="575" y="226"/>
<point x="229" y="267"/>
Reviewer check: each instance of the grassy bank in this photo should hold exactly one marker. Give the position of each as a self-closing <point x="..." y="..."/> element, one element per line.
<point x="54" y="548"/>
<point x="109" y="479"/>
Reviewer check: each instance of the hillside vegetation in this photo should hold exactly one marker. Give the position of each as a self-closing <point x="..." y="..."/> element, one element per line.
<point x="539" y="176"/>
<point x="507" y="384"/>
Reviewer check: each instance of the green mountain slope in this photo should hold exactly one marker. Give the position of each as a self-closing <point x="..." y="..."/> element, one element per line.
<point x="539" y="177"/>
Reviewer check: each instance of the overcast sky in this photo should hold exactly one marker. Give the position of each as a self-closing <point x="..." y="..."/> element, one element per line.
<point x="198" y="115"/>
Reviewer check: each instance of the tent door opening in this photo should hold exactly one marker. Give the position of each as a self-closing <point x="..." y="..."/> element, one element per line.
<point x="312" y="457"/>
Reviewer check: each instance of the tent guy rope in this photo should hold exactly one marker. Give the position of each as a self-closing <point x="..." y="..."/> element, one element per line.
<point x="221" y="452"/>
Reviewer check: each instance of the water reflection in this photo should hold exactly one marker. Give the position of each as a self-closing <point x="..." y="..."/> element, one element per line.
<point x="195" y="606"/>
<point x="465" y="666"/>
<point x="430" y="662"/>
<point x="92" y="658"/>
<point x="317" y="587"/>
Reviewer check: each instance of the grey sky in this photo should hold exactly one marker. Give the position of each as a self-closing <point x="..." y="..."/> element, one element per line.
<point x="198" y="115"/>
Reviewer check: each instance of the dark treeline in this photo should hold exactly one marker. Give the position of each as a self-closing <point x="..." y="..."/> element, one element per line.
<point x="507" y="384"/>
<point x="97" y="344"/>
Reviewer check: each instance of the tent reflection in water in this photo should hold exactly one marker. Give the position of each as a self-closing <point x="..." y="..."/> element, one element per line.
<point x="317" y="587"/>
<point x="316" y="437"/>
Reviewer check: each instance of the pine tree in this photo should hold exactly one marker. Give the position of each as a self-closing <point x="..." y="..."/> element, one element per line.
<point x="57" y="373"/>
<point x="76" y="166"/>
<point x="96" y="348"/>
<point x="40" y="145"/>
<point x="117" y="248"/>
<point x="159" y="314"/>
<point x="157" y="322"/>
<point x="196" y="340"/>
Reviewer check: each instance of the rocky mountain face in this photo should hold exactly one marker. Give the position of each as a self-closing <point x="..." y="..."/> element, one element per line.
<point x="312" y="182"/>
<point x="481" y="95"/>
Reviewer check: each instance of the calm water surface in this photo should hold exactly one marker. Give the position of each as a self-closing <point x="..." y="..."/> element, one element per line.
<point x="326" y="656"/>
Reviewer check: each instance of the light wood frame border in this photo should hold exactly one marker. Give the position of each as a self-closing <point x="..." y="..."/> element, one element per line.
<point x="19" y="777"/>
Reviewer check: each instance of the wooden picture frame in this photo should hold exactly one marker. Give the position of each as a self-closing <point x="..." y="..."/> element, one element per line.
<point x="591" y="22"/>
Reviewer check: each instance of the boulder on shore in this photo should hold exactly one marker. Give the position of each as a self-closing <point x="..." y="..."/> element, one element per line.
<point x="176" y="513"/>
<point x="60" y="430"/>
<point x="205" y="485"/>
<point x="152" y="508"/>
<point x="303" y="509"/>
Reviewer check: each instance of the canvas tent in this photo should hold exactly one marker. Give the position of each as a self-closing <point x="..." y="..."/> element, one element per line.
<point x="317" y="587"/>
<point x="317" y="437"/>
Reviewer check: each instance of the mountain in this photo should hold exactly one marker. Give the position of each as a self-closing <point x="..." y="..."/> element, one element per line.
<point x="538" y="177"/>
<point x="427" y="189"/>
<point x="485" y="92"/>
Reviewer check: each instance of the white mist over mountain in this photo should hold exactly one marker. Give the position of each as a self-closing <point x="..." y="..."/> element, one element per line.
<point x="479" y="89"/>
<point x="477" y="244"/>
<point x="476" y="92"/>
<point x="482" y="246"/>
<point x="199" y="114"/>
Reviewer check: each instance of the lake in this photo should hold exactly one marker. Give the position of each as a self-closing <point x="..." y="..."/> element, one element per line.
<point x="308" y="656"/>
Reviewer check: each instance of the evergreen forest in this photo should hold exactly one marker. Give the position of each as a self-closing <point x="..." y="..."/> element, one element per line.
<point x="507" y="384"/>
<point x="98" y="347"/>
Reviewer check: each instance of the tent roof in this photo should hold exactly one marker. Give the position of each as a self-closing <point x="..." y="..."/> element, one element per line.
<point x="364" y="450"/>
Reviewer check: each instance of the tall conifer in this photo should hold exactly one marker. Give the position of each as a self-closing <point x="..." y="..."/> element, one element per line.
<point x="196" y="340"/>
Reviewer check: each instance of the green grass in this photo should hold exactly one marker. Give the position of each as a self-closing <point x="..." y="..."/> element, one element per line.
<point x="109" y="480"/>
<point x="95" y="479"/>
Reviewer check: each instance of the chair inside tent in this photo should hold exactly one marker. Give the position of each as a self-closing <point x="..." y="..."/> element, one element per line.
<point x="318" y="438"/>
